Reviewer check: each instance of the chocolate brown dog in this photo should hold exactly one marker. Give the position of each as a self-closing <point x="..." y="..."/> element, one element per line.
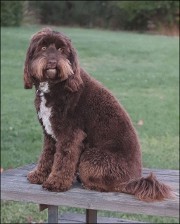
<point x="86" y="130"/>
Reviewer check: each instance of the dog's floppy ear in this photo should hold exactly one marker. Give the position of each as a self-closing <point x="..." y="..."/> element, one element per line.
<point x="28" y="82"/>
<point x="27" y="76"/>
<point x="74" y="82"/>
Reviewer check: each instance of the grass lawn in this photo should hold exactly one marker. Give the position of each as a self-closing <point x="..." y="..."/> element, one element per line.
<point x="141" y="70"/>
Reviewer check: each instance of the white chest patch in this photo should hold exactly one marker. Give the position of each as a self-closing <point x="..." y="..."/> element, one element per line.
<point x="44" y="111"/>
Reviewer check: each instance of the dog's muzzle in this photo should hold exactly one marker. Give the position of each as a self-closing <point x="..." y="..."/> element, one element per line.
<point x="51" y="73"/>
<point x="51" y="69"/>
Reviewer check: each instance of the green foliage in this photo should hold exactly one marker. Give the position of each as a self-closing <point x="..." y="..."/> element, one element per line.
<point x="11" y="13"/>
<point x="84" y="13"/>
<point x="137" y="14"/>
<point x="128" y="15"/>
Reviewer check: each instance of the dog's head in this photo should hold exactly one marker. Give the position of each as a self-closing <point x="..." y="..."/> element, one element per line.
<point x="51" y="57"/>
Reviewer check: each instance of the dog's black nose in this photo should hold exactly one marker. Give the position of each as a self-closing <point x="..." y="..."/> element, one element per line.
<point x="51" y="64"/>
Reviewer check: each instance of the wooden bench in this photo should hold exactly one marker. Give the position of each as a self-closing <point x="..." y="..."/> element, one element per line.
<point x="14" y="186"/>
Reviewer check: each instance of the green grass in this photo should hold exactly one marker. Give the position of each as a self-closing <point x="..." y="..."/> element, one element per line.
<point x="142" y="72"/>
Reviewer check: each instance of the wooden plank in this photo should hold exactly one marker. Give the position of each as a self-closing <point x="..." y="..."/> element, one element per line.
<point x="91" y="216"/>
<point x="20" y="171"/>
<point x="167" y="175"/>
<point x="80" y="218"/>
<point x="16" y="187"/>
<point x="52" y="214"/>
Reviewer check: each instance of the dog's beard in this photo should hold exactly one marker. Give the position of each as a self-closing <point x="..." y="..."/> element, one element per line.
<point x="38" y="66"/>
<point x="65" y="68"/>
<point x="62" y="71"/>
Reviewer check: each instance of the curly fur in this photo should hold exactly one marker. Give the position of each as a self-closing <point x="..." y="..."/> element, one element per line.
<point x="86" y="130"/>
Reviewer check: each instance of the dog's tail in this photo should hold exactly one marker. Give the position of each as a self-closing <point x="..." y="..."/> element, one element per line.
<point x="148" y="189"/>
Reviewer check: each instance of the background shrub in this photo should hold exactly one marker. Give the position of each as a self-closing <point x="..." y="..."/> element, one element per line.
<point x="127" y="15"/>
<point x="139" y="14"/>
<point x="83" y="13"/>
<point x="11" y="13"/>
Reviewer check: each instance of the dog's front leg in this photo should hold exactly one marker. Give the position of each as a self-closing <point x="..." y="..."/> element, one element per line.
<point x="44" y="166"/>
<point x="66" y="158"/>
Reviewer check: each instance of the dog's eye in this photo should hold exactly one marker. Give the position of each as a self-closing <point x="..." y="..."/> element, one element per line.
<point x="43" y="48"/>
<point x="60" y="49"/>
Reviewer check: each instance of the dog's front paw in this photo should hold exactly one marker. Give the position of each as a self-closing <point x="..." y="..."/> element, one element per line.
<point x="56" y="183"/>
<point x="36" y="177"/>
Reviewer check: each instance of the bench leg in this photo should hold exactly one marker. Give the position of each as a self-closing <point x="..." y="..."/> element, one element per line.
<point x="91" y="216"/>
<point x="52" y="214"/>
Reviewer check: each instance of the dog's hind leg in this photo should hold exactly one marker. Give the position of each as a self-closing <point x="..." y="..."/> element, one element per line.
<point x="95" y="169"/>
<point x="102" y="168"/>
<point x="108" y="171"/>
